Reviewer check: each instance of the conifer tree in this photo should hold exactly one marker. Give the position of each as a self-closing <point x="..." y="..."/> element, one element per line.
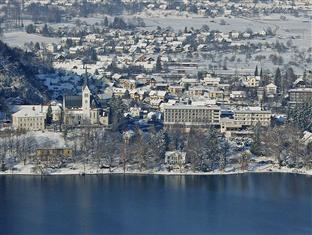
<point x="256" y="71"/>
<point x="49" y="115"/>
<point x="158" y="64"/>
<point x="278" y="79"/>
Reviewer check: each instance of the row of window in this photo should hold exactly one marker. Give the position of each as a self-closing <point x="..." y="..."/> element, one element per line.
<point x="191" y="111"/>
<point x="35" y="125"/>
<point x="23" y="120"/>
<point x="252" y="115"/>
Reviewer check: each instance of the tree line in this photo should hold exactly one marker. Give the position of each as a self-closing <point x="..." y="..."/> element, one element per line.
<point x="206" y="149"/>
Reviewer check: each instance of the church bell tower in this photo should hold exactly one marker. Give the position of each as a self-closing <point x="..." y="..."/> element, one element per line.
<point x="86" y="96"/>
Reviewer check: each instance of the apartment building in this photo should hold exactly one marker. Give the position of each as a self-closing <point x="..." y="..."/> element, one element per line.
<point x="251" y="116"/>
<point x="299" y="95"/>
<point x="29" y="119"/>
<point x="242" y="119"/>
<point x="191" y="115"/>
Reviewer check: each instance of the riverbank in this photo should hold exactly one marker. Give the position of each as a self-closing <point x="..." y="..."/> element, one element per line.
<point x="80" y="169"/>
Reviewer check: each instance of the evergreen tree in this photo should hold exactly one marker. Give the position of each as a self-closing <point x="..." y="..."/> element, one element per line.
<point x="126" y="95"/>
<point x="301" y="115"/>
<point x="106" y="21"/>
<point x="69" y="43"/>
<point x="93" y="55"/>
<point x="200" y="75"/>
<point x="158" y="64"/>
<point x="45" y="30"/>
<point x="3" y="104"/>
<point x="158" y="142"/>
<point x="210" y="150"/>
<point x="194" y="149"/>
<point x="119" y="23"/>
<point x="225" y="152"/>
<point x="289" y="79"/>
<point x="30" y="28"/>
<point x="256" y="143"/>
<point x="278" y="79"/>
<point x="49" y="115"/>
<point x="117" y="108"/>
<point x="304" y="75"/>
<point x="256" y="71"/>
<point x="37" y="46"/>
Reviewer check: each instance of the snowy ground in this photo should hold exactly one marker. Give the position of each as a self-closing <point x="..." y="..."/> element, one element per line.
<point x="284" y="29"/>
<point x="292" y="26"/>
<point x="79" y="168"/>
<point x="19" y="38"/>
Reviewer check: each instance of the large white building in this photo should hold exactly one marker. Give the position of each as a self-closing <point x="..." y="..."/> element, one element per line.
<point x="191" y="115"/>
<point x="245" y="118"/>
<point x="252" y="116"/>
<point x="299" y="95"/>
<point x="29" y="119"/>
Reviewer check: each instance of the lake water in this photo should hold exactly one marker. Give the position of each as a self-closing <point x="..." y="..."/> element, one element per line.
<point x="116" y="204"/>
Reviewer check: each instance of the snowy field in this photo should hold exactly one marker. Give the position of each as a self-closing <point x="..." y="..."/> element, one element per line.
<point x="19" y="38"/>
<point x="300" y="28"/>
<point x="284" y="29"/>
<point x="291" y="27"/>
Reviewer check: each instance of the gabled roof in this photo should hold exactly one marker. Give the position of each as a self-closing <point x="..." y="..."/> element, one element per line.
<point x="73" y="101"/>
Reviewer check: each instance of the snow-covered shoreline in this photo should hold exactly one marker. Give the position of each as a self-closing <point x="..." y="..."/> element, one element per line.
<point x="91" y="171"/>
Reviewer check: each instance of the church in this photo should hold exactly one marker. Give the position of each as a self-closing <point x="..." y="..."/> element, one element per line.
<point x="83" y="109"/>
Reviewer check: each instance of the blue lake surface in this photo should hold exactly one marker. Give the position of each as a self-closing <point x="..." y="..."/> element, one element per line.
<point x="116" y="204"/>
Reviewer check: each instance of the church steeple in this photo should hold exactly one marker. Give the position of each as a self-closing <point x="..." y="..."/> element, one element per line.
<point x="85" y="78"/>
<point x="86" y="102"/>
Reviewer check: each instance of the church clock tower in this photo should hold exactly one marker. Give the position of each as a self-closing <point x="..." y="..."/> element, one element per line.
<point x="86" y="96"/>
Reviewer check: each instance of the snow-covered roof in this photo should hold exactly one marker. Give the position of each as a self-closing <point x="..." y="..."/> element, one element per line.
<point x="29" y="113"/>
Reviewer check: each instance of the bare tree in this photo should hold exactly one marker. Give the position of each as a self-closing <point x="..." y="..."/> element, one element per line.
<point x="274" y="142"/>
<point x="224" y="153"/>
<point x="244" y="160"/>
<point x="28" y="145"/>
<point x="4" y="148"/>
<point x="193" y="149"/>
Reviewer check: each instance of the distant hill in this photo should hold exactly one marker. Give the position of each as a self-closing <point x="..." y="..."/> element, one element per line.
<point x="18" y="83"/>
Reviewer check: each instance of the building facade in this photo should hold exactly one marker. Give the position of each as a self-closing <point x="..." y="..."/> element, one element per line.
<point x="191" y="115"/>
<point x="52" y="154"/>
<point x="299" y="95"/>
<point x="29" y="119"/>
<point x="175" y="159"/>
<point x="252" y="116"/>
<point x="81" y="110"/>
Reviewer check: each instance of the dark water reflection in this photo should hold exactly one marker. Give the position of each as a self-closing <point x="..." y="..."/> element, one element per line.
<point x="237" y="204"/>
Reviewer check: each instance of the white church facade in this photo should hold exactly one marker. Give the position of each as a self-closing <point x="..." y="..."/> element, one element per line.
<point x="83" y="110"/>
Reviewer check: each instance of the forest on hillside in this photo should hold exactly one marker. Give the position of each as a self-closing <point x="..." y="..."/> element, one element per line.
<point x="18" y="83"/>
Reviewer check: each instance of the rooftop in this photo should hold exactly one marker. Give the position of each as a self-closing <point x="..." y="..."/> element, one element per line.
<point x="302" y="89"/>
<point x="29" y="113"/>
<point x="185" y="106"/>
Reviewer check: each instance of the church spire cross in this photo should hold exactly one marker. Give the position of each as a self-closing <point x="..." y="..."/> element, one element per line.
<point x="85" y="67"/>
<point x="85" y="80"/>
